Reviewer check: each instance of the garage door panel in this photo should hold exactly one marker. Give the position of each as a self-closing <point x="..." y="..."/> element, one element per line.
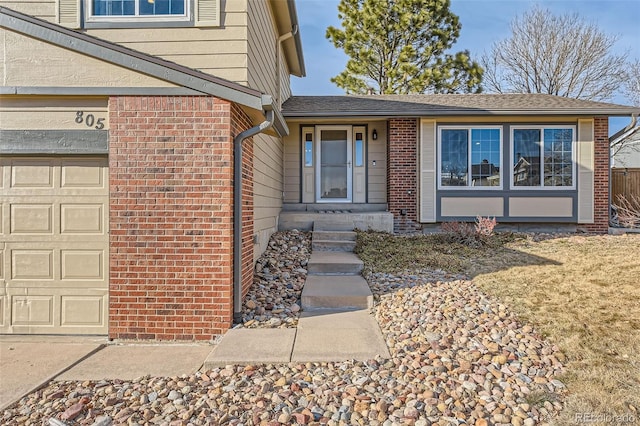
<point x="36" y="173"/>
<point x="31" y="218"/>
<point x="35" y="264"/>
<point x="82" y="218"/>
<point x="32" y="265"/>
<point x="84" y="311"/>
<point x="2" y="267"/>
<point x="54" y="255"/>
<point x="3" y="302"/>
<point x="82" y="265"/>
<point x="32" y="310"/>
<point x="83" y="174"/>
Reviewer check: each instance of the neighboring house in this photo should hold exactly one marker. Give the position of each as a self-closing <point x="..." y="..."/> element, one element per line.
<point x="147" y="155"/>
<point x="625" y="151"/>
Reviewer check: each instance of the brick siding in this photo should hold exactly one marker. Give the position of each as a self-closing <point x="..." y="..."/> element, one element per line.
<point x="239" y="123"/>
<point x="171" y="216"/>
<point x="402" y="173"/>
<point x="601" y="177"/>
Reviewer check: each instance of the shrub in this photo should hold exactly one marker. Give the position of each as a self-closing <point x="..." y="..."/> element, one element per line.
<point x="485" y="225"/>
<point x="628" y="210"/>
<point x="472" y="236"/>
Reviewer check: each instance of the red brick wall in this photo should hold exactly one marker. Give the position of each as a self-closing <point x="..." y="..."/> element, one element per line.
<point x="239" y="123"/>
<point x="402" y="173"/>
<point x="601" y="176"/>
<point x="171" y="217"/>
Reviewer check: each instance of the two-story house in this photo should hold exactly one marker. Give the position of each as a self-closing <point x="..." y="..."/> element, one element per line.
<point x="118" y="122"/>
<point x="149" y="148"/>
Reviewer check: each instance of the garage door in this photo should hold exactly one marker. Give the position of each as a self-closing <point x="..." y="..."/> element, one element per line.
<point x="54" y="245"/>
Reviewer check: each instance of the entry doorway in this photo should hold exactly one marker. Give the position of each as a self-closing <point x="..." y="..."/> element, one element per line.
<point x="334" y="164"/>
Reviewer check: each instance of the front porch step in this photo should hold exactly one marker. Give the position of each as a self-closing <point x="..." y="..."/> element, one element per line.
<point x="334" y="235"/>
<point x="307" y="221"/>
<point x="334" y="263"/>
<point x="333" y="245"/>
<point x="333" y="240"/>
<point x="347" y="292"/>
<point x="351" y="207"/>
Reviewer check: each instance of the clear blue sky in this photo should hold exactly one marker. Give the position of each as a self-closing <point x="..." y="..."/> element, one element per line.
<point x="483" y="22"/>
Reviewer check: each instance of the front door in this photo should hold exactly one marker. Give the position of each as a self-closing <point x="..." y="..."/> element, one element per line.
<point x="334" y="170"/>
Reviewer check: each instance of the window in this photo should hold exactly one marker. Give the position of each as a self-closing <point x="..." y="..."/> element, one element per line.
<point x="138" y="7"/>
<point x="359" y="148"/>
<point x="308" y="150"/>
<point x="138" y="10"/>
<point x="470" y="157"/>
<point x="543" y="157"/>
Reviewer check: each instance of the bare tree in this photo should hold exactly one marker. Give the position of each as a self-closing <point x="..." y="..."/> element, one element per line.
<point x="632" y="84"/>
<point x="558" y="55"/>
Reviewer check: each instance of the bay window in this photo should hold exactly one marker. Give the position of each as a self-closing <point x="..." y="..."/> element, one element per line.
<point x="470" y="157"/>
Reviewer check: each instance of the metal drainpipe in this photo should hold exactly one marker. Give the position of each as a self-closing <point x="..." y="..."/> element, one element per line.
<point x="237" y="211"/>
<point x="282" y="38"/>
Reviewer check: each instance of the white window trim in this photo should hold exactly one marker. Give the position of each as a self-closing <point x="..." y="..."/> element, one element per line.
<point x="90" y="18"/>
<point x="541" y="187"/>
<point x="468" y="187"/>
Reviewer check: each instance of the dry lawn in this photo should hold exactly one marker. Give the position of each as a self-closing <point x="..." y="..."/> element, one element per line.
<point x="581" y="292"/>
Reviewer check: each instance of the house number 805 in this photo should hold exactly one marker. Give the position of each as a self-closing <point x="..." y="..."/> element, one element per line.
<point x="90" y="120"/>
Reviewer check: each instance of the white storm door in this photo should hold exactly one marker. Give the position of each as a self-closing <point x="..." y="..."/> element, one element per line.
<point x="334" y="171"/>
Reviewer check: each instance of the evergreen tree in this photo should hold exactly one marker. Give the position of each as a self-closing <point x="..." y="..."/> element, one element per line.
<point x="400" y="47"/>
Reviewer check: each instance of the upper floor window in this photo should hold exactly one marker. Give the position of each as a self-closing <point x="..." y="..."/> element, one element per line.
<point x="133" y="8"/>
<point x="543" y="157"/>
<point x="141" y="9"/>
<point x="470" y="157"/>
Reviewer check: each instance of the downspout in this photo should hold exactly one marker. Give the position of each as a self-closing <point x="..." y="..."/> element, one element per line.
<point x="237" y="210"/>
<point x="283" y="37"/>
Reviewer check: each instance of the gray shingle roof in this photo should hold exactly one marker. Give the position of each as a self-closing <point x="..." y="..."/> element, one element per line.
<point x="442" y="104"/>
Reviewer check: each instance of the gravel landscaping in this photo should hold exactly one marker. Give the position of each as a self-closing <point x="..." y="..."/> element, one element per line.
<point x="457" y="357"/>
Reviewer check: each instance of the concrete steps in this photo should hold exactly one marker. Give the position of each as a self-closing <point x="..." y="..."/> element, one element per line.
<point x="335" y="324"/>
<point x="333" y="241"/>
<point x="334" y="263"/>
<point x="336" y="292"/>
<point x="334" y="280"/>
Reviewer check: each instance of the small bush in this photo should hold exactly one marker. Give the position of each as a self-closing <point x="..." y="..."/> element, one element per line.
<point x="484" y="226"/>
<point x="628" y="211"/>
<point x="473" y="236"/>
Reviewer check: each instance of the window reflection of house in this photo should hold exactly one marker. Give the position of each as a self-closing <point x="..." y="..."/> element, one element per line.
<point x="526" y="172"/>
<point x="485" y="174"/>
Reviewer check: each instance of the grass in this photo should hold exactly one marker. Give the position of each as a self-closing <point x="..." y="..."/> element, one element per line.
<point x="581" y="292"/>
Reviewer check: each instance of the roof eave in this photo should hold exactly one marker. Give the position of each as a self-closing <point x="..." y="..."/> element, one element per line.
<point x="457" y="112"/>
<point x="287" y="21"/>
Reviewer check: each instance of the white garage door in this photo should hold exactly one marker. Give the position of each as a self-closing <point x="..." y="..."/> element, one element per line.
<point x="54" y="245"/>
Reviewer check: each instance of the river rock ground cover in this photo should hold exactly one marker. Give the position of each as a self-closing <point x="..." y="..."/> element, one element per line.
<point x="458" y="356"/>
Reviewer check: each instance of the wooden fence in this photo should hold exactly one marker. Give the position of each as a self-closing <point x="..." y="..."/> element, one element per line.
<point x="624" y="182"/>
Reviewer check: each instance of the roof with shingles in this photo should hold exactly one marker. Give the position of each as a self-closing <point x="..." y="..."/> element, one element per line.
<point x="447" y="104"/>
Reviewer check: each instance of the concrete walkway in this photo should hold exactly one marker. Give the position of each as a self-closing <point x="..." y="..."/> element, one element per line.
<point x="335" y="325"/>
<point x="30" y="362"/>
